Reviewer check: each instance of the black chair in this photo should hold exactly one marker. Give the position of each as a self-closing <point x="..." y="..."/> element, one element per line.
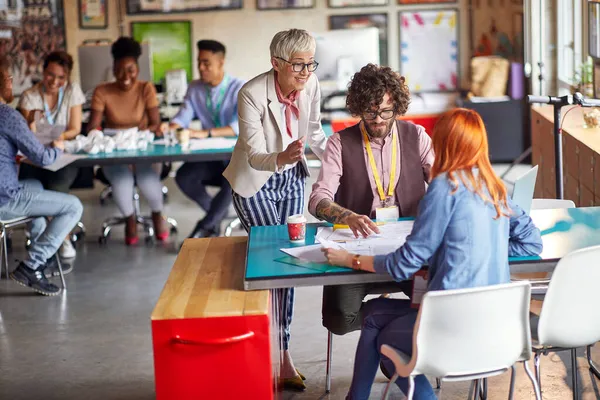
<point x="144" y="221"/>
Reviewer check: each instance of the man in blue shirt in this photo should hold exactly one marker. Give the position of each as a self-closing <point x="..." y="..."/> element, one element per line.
<point x="213" y="100"/>
<point x="28" y="198"/>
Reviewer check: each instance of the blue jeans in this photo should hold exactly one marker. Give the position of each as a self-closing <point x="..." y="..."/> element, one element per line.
<point x="391" y="322"/>
<point x="33" y="201"/>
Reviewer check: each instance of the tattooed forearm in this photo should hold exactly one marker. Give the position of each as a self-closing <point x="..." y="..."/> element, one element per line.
<point x="332" y="212"/>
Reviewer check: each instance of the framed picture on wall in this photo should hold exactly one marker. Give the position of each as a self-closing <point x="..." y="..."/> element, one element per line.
<point x="170" y="44"/>
<point x="429" y="51"/>
<point x="356" y="3"/>
<point x="358" y="21"/>
<point x="93" y="14"/>
<point x="179" y="6"/>
<point x="28" y="32"/>
<point x="425" y="1"/>
<point x="283" y="4"/>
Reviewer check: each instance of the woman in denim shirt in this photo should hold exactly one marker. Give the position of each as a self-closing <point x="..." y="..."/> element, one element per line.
<point x="465" y="230"/>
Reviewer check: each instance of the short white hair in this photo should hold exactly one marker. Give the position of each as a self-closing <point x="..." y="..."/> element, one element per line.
<point x="287" y="43"/>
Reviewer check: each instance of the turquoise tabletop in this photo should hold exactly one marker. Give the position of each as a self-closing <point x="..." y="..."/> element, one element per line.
<point x="563" y="231"/>
<point x="158" y="153"/>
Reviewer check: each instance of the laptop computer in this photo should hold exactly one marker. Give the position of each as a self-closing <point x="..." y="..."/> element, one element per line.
<point x="523" y="190"/>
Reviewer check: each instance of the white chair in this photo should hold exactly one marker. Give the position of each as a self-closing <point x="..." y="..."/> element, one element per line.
<point x="543" y="204"/>
<point x="569" y="316"/>
<point x="468" y="334"/>
<point x="5" y="226"/>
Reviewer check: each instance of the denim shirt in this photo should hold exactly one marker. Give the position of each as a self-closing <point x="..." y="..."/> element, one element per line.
<point x="456" y="235"/>
<point x="15" y="136"/>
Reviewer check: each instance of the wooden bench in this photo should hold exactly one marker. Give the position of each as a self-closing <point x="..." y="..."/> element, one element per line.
<point x="211" y="339"/>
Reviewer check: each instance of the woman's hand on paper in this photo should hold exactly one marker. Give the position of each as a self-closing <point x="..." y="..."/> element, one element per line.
<point x="338" y="257"/>
<point x="361" y="225"/>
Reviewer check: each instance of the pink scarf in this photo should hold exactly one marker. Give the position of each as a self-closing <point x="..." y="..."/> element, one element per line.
<point x="290" y="106"/>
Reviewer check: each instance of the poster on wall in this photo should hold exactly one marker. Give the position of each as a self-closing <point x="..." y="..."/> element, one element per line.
<point x="93" y="14"/>
<point x="29" y="30"/>
<point x="179" y="6"/>
<point x="360" y="21"/>
<point x="283" y="4"/>
<point x="429" y="50"/>
<point x="356" y="3"/>
<point x="170" y="44"/>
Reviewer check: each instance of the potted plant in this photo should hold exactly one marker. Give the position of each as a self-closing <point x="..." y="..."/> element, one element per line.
<point x="583" y="79"/>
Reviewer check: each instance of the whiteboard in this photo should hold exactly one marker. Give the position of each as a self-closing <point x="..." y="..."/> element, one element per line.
<point x="429" y="50"/>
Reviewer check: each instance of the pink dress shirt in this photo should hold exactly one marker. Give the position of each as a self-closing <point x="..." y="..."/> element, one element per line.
<point x="331" y="169"/>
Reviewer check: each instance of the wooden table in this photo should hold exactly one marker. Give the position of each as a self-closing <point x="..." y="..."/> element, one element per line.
<point x="211" y="339"/>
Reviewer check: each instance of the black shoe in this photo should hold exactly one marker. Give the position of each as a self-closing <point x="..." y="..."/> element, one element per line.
<point x="51" y="268"/>
<point x="384" y="370"/>
<point x="204" y="233"/>
<point x="34" y="279"/>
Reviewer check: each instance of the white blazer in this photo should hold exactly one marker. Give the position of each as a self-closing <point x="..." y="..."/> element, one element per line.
<point x="254" y="158"/>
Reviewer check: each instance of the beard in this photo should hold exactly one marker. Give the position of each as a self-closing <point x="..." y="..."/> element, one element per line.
<point x="380" y="130"/>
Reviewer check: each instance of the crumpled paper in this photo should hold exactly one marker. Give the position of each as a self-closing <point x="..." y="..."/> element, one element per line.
<point x="98" y="142"/>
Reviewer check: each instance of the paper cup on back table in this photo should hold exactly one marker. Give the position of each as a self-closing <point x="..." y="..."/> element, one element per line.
<point x="183" y="137"/>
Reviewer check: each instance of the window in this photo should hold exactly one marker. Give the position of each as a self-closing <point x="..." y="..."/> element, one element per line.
<point x="569" y="49"/>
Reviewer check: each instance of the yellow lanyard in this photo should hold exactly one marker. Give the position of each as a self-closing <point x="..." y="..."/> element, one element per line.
<point x="378" y="183"/>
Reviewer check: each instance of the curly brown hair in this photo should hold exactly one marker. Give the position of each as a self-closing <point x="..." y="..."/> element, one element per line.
<point x="367" y="88"/>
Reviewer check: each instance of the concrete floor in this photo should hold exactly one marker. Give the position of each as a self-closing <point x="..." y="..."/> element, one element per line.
<point x="94" y="342"/>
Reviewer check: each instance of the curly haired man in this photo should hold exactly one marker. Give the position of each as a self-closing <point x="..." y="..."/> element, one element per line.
<point x="377" y="168"/>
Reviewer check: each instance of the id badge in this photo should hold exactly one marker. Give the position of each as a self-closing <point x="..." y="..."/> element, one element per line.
<point x="419" y="288"/>
<point x="387" y="214"/>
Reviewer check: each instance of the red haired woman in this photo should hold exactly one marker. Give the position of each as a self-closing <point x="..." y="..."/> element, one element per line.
<point x="465" y="230"/>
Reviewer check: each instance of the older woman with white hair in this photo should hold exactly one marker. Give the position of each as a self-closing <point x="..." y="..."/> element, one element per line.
<point x="279" y="111"/>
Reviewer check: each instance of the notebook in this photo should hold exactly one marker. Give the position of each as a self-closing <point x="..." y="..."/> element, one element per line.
<point x="524" y="188"/>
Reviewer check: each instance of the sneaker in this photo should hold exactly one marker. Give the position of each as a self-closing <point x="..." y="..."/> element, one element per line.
<point x="34" y="279"/>
<point x="67" y="250"/>
<point x="51" y="268"/>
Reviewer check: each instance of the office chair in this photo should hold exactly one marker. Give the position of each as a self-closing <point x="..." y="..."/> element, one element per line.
<point x="144" y="221"/>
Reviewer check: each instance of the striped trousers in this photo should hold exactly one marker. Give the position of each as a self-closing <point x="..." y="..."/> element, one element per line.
<point x="280" y="197"/>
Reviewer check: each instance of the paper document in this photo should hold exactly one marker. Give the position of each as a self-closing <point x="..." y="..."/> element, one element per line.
<point x="373" y="247"/>
<point x="64" y="160"/>
<point x="312" y="253"/>
<point x="391" y="230"/>
<point x="330" y="245"/>
<point x="47" y="133"/>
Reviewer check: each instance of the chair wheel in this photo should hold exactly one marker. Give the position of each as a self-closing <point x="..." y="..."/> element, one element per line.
<point x="150" y="240"/>
<point x="173" y="229"/>
<point x="102" y="240"/>
<point x="76" y="237"/>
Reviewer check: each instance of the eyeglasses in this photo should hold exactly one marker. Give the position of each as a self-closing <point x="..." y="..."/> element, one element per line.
<point x="299" y="67"/>
<point x="384" y="114"/>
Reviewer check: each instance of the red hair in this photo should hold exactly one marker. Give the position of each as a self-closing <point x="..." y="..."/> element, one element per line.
<point x="460" y="144"/>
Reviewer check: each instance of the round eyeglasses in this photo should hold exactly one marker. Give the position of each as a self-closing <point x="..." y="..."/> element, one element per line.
<point x="384" y="114"/>
<point x="299" y="67"/>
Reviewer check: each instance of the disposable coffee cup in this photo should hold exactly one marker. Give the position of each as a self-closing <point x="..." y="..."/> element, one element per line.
<point x="183" y="137"/>
<point x="297" y="228"/>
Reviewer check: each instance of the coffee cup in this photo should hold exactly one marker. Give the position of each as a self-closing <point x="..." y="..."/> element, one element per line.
<point x="183" y="137"/>
<point x="297" y="228"/>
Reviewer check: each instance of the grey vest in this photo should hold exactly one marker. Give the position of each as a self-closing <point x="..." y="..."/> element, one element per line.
<point x="355" y="193"/>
